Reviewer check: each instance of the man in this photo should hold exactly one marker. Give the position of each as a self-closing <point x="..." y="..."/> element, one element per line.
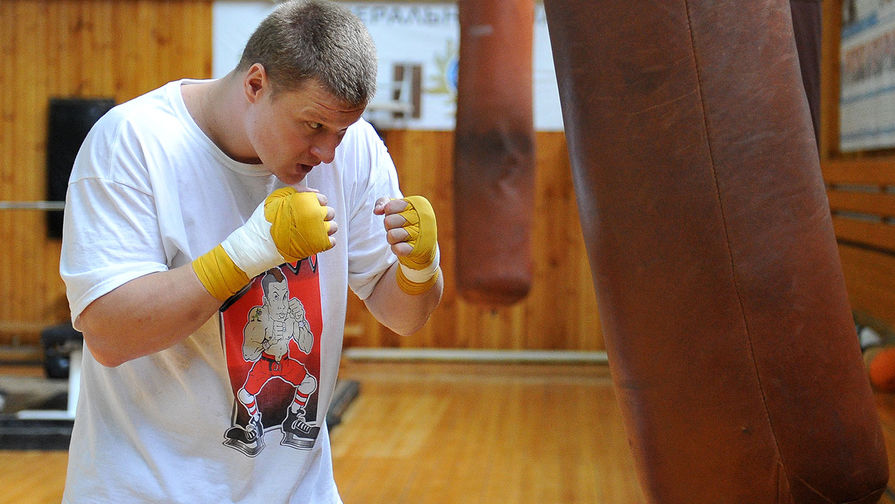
<point x="179" y="201"/>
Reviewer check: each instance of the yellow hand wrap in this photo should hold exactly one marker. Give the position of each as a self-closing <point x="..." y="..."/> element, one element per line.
<point x="220" y="276"/>
<point x="286" y="226"/>
<point x="297" y="222"/>
<point x="419" y="270"/>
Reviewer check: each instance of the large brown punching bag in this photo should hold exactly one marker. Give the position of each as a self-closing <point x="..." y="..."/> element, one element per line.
<point x="806" y="23"/>
<point x="725" y="316"/>
<point x="494" y="151"/>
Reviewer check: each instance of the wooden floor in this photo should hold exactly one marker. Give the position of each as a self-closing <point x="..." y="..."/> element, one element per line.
<point x="886" y="408"/>
<point x="451" y="433"/>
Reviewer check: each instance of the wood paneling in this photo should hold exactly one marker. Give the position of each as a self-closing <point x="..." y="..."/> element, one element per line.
<point x="84" y="48"/>
<point x="870" y="280"/>
<point x="867" y="203"/>
<point x="862" y="200"/>
<point x="863" y="171"/>
<point x="560" y="312"/>
<point x="124" y="48"/>
<point x="873" y="234"/>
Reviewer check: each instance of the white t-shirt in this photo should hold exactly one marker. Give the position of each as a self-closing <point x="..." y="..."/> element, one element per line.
<point x="149" y="191"/>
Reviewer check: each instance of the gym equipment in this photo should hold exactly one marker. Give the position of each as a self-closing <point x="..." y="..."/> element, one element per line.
<point x="61" y="343"/>
<point x="45" y="422"/>
<point x="725" y="317"/>
<point x="47" y="425"/>
<point x="494" y="151"/>
<point x="69" y="121"/>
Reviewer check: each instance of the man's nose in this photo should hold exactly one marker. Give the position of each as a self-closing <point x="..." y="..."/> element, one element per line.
<point x="325" y="148"/>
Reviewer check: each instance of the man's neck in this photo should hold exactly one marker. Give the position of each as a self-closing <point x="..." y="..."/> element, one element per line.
<point x="216" y="108"/>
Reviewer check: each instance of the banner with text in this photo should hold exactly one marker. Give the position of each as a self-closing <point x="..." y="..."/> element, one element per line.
<point x="418" y="48"/>
<point x="867" y="75"/>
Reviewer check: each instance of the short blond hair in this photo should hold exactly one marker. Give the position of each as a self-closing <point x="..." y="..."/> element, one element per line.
<point x="304" y="40"/>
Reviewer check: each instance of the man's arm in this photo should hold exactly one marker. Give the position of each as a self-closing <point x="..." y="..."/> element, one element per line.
<point x="399" y="311"/>
<point x="411" y="288"/>
<point x="153" y="312"/>
<point x="146" y="315"/>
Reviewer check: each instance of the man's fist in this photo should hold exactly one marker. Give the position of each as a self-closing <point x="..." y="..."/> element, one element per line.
<point x="413" y="234"/>
<point x="300" y="223"/>
<point x="287" y="226"/>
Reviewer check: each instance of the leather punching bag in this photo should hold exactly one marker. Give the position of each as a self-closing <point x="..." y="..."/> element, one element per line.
<point x="724" y="311"/>
<point x="806" y="23"/>
<point x="494" y="151"/>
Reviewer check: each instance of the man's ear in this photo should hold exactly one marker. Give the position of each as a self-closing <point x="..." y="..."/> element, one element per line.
<point x="255" y="83"/>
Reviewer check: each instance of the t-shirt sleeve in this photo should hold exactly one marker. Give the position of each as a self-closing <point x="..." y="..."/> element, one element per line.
<point x="369" y="254"/>
<point x="111" y="231"/>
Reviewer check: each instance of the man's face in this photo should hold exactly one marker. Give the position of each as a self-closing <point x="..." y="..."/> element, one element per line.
<point x="278" y="300"/>
<point x="293" y="131"/>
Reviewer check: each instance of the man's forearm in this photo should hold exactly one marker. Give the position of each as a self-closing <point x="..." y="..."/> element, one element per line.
<point x="146" y="315"/>
<point x="401" y="312"/>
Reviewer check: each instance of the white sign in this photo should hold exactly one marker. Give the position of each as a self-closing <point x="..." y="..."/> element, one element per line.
<point x="867" y="75"/>
<point x="418" y="47"/>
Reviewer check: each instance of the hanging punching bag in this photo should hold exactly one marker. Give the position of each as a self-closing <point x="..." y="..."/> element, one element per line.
<point x="494" y="151"/>
<point x="806" y="24"/>
<point x="725" y="317"/>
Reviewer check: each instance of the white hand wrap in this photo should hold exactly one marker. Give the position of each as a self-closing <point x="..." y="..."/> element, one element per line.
<point x="425" y="274"/>
<point x="251" y="247"/>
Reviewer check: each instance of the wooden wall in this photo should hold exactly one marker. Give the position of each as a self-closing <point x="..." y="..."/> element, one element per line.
<point x="68" y="48"/>
<point x="122" y="48"/>
<point x="560" y="312"/>
<point x="860" y="189"/>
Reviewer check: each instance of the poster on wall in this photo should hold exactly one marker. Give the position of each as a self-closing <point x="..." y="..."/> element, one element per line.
<point x="867" y="75"/>
<point x="418" y="46"/>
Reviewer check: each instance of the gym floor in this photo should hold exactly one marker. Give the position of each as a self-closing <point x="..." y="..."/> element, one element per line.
<point x="450" y="432"/>
<point x="886" y="408"/>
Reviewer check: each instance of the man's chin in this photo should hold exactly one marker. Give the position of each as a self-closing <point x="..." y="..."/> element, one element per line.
<point x="291" y="178"/>
<point x="296" y="174"/>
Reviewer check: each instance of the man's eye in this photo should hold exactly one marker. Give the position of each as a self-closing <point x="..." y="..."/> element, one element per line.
<point x="315" y="125"/>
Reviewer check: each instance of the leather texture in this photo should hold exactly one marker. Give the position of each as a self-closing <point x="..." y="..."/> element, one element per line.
<point x="723" y="304"/>
<point x="806" y="22"/>
<point x="494" y="151"/>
